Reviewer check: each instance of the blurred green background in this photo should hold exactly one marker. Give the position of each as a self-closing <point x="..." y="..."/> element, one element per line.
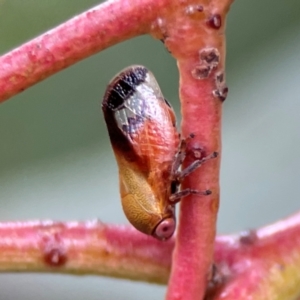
<point x="55" y="157"/>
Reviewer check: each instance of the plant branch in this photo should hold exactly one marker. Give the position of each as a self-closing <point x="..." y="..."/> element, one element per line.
<point x="83" y="248"/>
<point x="98" y="28"/>
<point x="262" y="264"/>
<point x="194" y="34"/>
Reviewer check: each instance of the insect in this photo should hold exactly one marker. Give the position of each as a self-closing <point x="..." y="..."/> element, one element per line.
<point x="142" y="129"/>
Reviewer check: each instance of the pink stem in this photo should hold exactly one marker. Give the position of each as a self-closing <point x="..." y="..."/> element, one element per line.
<point x="84" y="248"/>
<point x="202" y="91"/>
<point x="262" y="264"/>
<point x="98" y="28"/>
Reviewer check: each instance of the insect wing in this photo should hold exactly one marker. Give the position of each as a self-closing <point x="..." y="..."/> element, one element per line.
<point x="140" y="121"/>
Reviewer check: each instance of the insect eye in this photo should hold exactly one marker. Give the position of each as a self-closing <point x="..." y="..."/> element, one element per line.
<point x="165" y="229"/>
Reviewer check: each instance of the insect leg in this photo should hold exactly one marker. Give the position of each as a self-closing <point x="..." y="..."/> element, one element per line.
<point x="195" y="165"/>
<point x="180" y="155"/>
<point x="176" y="197"/>
<point x="178" y="176"/>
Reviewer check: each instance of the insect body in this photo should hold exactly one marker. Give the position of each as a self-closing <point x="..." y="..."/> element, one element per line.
<point x="142" y="130"/>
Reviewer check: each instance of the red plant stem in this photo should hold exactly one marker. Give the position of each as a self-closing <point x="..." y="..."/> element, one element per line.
<point x="196" y="39"/>
<point x="262" y="264"/>
<point x="197" y="225"/>
<point x="83" y="248"/>
<point x="98" y="28"/>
